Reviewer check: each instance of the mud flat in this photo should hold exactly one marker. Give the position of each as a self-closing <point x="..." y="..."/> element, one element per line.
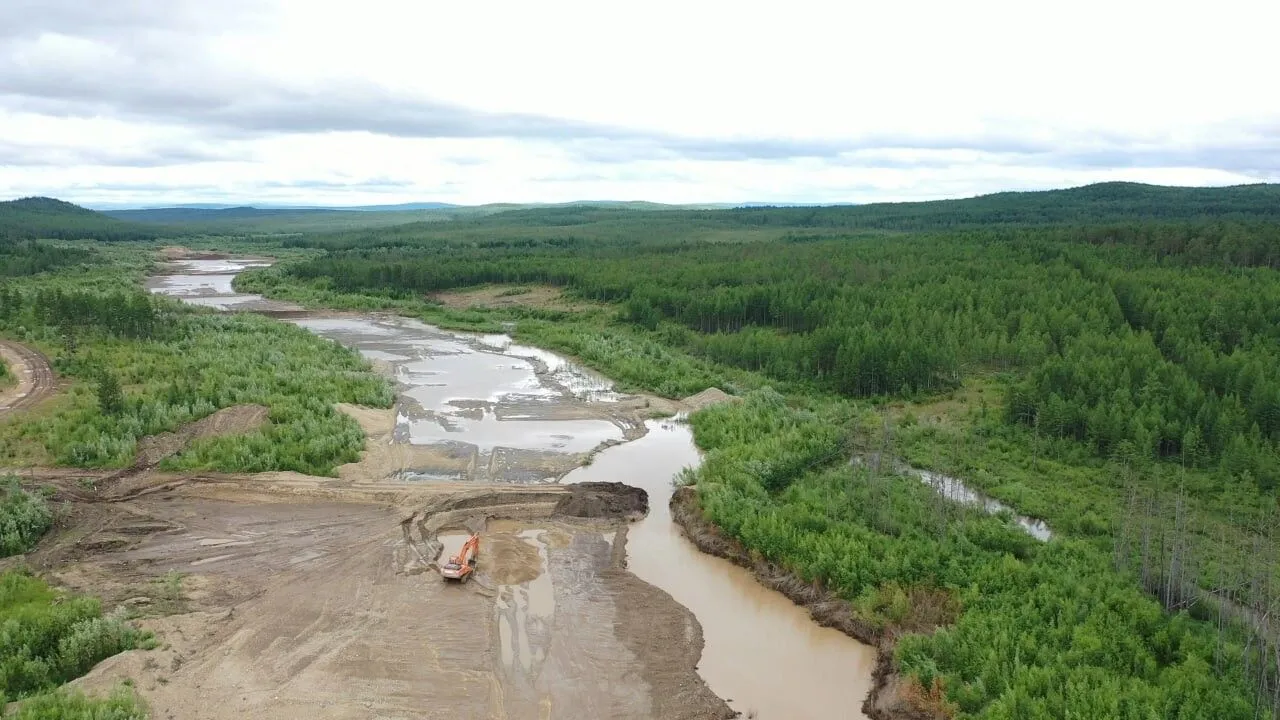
<point x="470" y="407"/>
<point x="306" y="600"/>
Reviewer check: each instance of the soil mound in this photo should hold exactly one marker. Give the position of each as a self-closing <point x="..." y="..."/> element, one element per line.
<point x="707" y="398"/>
<point x="233" y="420"/>
<point x="603" y="500"/>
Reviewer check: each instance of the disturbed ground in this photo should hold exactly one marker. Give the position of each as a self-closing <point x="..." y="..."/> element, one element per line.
<point x="35" y="377"/>
<point x="499" y="296"/>
<point x="306" y="597"/>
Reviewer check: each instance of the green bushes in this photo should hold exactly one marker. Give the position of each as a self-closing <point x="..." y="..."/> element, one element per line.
<point x="1046" y="630"/>
<point x="205" y="363"/>
<point x="47" y="638"/>
<point x="71" y="705"/>
<point x="24" y="518"/>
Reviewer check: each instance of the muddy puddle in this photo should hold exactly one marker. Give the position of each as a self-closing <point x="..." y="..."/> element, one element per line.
<point x="763" y="653"/>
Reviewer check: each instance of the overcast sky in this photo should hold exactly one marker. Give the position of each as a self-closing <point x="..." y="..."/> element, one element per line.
<point x="383" y="101"/>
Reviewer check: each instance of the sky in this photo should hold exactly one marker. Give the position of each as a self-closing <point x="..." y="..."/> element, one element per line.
<point x="156" y="102"/>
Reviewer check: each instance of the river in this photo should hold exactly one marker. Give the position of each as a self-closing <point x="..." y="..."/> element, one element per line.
<point x="493" y="410"/>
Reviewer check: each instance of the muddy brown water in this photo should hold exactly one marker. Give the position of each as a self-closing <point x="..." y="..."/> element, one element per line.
<point x="485" y="394"/>
<point x="763" y="653"/>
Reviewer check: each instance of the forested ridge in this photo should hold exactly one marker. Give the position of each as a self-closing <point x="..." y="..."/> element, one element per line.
<point x="1146" y="213"/>
<point x="1100" y="202"/>
<point x="1128" y="344"/>
<point x="41" y="218"/>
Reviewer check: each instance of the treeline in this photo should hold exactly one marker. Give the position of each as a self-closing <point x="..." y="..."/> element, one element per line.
<point x="118" y="314"/>
<point x="1211" y="243"/>
<point x="18" y="257"/>
<point x="1128" y="208"/>
<point x="41" y="218"/>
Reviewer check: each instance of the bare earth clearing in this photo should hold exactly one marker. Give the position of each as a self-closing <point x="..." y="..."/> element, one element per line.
<point x="304" y="597"/>
<point x="544" y="297"/>
<point x="288" y="596"/>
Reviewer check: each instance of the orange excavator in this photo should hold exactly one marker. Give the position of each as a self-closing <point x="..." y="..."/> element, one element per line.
<point x="461" y="566"/>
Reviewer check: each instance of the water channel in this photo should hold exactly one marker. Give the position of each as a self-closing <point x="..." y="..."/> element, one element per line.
<point x="485" y="395"/>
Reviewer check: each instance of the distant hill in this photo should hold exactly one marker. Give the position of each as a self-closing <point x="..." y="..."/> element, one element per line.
<point x="37" y="218"/>
<point x="402" y="207"/>
<point x="333" y="219"/>
<point x="186" y="215"/>
<point x="237" y="220"/>
<point x="1102" y="202"/>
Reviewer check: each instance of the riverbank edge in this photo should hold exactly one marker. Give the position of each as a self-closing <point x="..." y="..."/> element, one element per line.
<point x="885" y="701"/>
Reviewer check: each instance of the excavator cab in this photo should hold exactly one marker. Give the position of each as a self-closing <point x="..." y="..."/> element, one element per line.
<point x="461" y="566"/>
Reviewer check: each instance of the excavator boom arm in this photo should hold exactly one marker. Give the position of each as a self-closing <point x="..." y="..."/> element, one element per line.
<point x="461" y="566"/>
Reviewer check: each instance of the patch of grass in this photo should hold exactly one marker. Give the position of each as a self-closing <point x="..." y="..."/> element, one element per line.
<point x="169" y="593"/>
<point x="122" y="704"/>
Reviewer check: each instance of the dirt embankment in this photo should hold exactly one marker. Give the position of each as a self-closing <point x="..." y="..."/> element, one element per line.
<point x="234" y="420"/>
<point x="890" y="697"/>
<point x="472" y="510"/>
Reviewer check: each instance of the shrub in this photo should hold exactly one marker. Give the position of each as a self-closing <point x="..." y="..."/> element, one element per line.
<point x="24" y="518"/>
<point x="48" y="638"/>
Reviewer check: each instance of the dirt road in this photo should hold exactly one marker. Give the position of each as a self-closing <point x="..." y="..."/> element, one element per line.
<point x="297" y="597"/>
<point x="35" y="377"/>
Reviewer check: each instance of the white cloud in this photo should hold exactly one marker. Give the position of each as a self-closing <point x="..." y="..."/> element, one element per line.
<point x="158" y="101"/>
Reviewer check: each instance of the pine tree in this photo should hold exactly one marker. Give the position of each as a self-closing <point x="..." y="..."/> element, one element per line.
<point x="110" y="395"/>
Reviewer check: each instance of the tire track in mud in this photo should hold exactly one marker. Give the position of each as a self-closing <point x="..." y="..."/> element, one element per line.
<point x="35" y="377"/>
